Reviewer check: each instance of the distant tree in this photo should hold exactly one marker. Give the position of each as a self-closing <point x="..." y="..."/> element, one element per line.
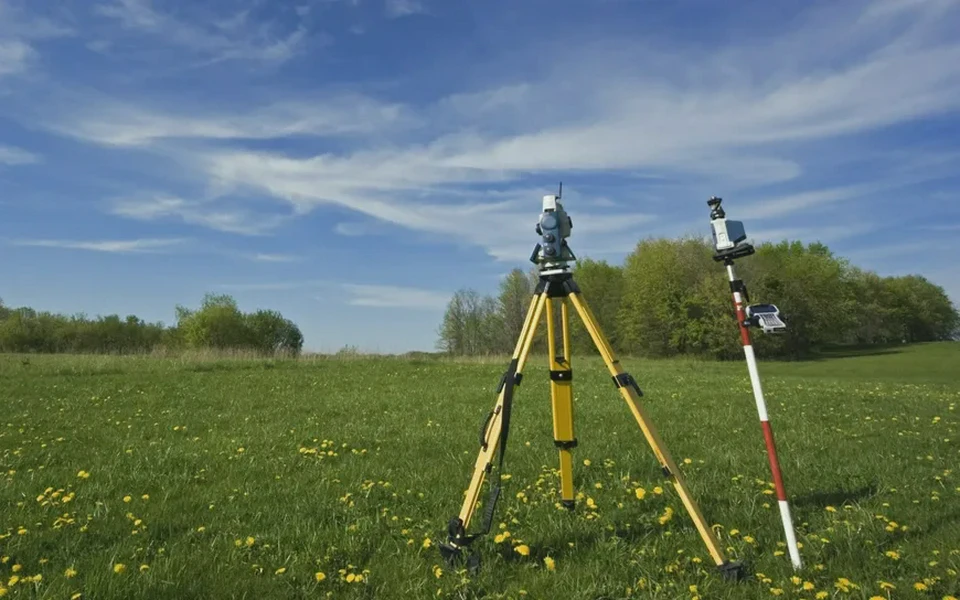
<point x="601" y="285"/>
<point x="270" y="333"/>
<point x="516" y="293"/>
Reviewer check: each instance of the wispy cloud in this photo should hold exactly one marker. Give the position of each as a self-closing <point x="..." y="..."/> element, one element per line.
<point x="733" y="119"/>
<point x="263" y="257"/>
<point x="14" y="56"/>
<point x="217" y="39"/>
<point x="106" y="121"/>
<point x="115" y="246"/>
<point x="220" y="217"/>
<point x="17" y="156"/>
<point x="404" y="8"/>
<point x="387" y="296"/>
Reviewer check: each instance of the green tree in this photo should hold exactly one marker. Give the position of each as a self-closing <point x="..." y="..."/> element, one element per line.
<point x="602" y="287"/>
<point x="270" y="333"/>
<point x="516" y="292"/>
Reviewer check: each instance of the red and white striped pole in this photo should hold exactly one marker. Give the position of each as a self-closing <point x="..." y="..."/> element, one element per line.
<point x="738" y="303"/>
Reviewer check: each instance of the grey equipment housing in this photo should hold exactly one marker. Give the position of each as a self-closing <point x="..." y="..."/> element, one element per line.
<point x="727" y="235"/>
<point x="554" y="227"/>
<point x="767" y="316"/>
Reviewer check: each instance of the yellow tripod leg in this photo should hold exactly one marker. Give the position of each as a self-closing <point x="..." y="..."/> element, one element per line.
<point x="493" y="428"/>
<point x="561" y="395"/>
<point x="631" y="392"/>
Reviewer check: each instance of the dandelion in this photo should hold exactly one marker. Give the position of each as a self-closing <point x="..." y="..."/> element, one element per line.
<point x="280" y="571"/>
<point x="522" y="550"/>
<point x="83" y="474"/>
<point x="250" y="541"/>
<point x="437" y="571"/>
<point x="70" y="572"/>
<point x="920" y="586"/>
<point x="427" y="543"/>
<point x="127" y="499"/>
<point x="550" y="564"/>
<point x="640" y="492"/>
<point x="119" y="568"/>
<point x="319" y="576"/>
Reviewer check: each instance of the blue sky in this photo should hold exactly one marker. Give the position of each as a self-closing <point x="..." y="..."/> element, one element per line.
<point x="352" y="163"/>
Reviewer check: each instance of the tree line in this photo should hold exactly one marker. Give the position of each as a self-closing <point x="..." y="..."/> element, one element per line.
<point x="217" y="324"/>
<point x="670" y="298"/>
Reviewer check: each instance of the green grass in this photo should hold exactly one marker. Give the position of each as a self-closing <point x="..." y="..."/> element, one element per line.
<point x="225" y="451"/>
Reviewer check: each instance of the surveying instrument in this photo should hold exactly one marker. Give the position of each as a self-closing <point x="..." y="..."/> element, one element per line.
<point x="557" y="286"/>
<point x="729" y="241"/>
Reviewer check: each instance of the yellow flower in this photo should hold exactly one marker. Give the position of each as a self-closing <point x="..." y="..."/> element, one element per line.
<point x="119" y="568"/>
<point x="640" y="492"/>
<point x="145" y="496"/>
<point x="83" y="474"/>
<point x="250" y="541"/>
<point x="144" y="568"/>
<point x="427" y="543"/>
<point x="821" y="595"/>
<point x="437" y="571"/>
<point x="920" y="587"/>
<point x="127" y="498"/>
<point x="549" y="562"/>
<point x="320" y="576"/>
<point x="893" y="554"/>
<point x="70" y="572"/>
<point x="76" y="596"/>
<point x="522" y="550"/>
<point x="280" y="571"/>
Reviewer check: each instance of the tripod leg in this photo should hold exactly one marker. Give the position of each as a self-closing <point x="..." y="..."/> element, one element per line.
<point x="561" y="394"/>
<point x="631" y="392"/>
<point x="494" y="432"/>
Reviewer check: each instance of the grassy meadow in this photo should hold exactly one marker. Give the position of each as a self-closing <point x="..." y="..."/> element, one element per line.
<point x="145" y="477"/>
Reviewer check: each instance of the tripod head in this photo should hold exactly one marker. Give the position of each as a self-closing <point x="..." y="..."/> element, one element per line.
<point x="727" y="235"/>
<point x="554" y="227"/>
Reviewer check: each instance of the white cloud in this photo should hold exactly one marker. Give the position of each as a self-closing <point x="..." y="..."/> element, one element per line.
<point x="116" y="246"/>
<point x="218" y="39"/>
<point x="118" y="124"/>
<point x="741" y="116"/>
<point x="14" y="56"/>
<point x="17" y="156"/>
<point x="265" y="257"/>
<point x="403" y="8"/>
<point x="386" y="296"/>
<point x="229" y="219"/>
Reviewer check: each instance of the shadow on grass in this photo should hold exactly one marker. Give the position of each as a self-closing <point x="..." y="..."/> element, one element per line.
<point x="836" y="497"/>
<point x="858" y="351"/>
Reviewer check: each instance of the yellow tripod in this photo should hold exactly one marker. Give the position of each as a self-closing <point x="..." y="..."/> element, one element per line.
<point x="552" y="288"/>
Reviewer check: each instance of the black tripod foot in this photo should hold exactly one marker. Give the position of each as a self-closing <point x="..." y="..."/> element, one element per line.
<point x="454" y="556"/>
<point x="569" y="504"/>
<point x="733" y="571"/>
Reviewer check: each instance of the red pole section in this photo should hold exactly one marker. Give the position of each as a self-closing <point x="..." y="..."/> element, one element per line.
<point x="765" y="423"/>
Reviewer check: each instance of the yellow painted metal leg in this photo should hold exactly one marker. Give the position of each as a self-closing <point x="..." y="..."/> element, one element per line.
<point x="631" y="395"/>
<point x="491" y="435"/>
<point x="561" y="394"/>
